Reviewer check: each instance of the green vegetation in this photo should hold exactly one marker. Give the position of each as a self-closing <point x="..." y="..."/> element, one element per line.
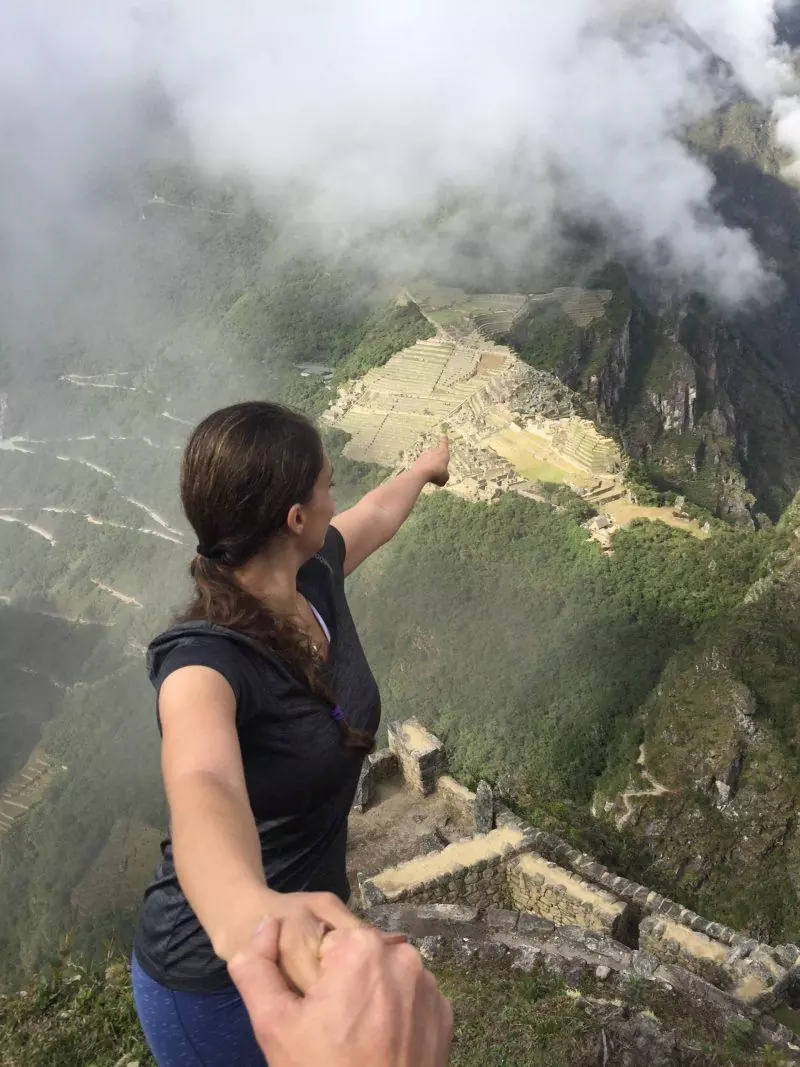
<point x="570" y="646"/>
<point x="742" y="127"/>
<point x="545" y="621"/>
<point x="75" y="1014"/>
<point x="387" y="331"/>
<point x="547" y="338"/>
<point x="725" y="711"/>
<point x="306" y="309"/>
<point x="531" y="1019"/>
<point x="78" y="1014"/>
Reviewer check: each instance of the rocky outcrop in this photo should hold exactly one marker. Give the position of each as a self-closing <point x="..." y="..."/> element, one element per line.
<point x="607" y="384"/>
<point x="598" y="972"/>
<point x="694" y="402"/>
<point x="726" y="822"/>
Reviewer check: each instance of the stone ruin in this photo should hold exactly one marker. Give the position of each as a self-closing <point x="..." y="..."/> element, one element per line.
<point x="495" y="888"/>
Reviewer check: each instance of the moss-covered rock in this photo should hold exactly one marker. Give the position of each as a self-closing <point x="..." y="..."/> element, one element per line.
<point x="721" y="736"/>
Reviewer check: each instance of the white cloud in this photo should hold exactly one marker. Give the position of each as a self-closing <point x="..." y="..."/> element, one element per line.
<point x="374" y="108"/>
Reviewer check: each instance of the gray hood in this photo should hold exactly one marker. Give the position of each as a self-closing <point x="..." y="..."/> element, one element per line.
<point x="161" y="646"/>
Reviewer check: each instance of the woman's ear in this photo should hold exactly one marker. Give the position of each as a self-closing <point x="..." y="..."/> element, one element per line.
<point x="295" y="520"/>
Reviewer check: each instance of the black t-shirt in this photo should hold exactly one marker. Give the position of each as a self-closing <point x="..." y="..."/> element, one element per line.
<point x="300" y="781"/>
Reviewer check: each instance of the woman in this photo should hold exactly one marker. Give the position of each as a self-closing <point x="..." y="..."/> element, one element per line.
<point x="267" y="708"/>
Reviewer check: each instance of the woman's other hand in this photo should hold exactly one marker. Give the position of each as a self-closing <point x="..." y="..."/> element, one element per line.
<point x="435" y="462"/>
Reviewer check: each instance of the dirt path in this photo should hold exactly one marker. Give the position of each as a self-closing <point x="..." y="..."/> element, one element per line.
<point x="192" y="207"/>
<point x="656" y="790"/>
<point x="153" y="515"/>
<point x="12" y="444"/>
<point x="89" y="381"/>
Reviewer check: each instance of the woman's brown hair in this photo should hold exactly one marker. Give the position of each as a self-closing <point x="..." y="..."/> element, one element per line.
<point x="243" y="469"/>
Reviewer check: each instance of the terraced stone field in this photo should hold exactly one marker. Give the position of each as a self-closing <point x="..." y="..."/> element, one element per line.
<point x="24" y="788"/>
<point x="410" y="396"/>
<point x="462" y="381"/>
<point x="458" y="313"/>
<point x="568" y="450"/>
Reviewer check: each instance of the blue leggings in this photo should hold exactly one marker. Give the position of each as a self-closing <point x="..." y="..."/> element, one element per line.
<point x="194" y="1029"/>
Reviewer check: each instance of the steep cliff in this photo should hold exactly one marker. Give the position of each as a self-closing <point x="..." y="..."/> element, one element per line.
<point x="700" y="410"/>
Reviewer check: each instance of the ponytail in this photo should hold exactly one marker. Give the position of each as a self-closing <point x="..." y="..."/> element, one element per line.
<point x="220" y="599"/>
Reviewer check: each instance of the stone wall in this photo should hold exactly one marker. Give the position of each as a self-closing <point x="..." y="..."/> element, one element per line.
<point x="536" y="885"/>
<point x="524" y="943"/>
<point x="648" y="901"/>
<point x="421" y="755"/>
<point x="470" y="872"/>
<point x="674" y="943"/>
<point x="476" y="809"/>
<point x="541" y="875"/>
<point x="458" y="800"/>
<point x="377" y="767"/>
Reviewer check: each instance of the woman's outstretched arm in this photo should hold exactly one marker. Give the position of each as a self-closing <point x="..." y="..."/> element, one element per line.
<point x="214" y="836"/>
<point x="377" y="517"/>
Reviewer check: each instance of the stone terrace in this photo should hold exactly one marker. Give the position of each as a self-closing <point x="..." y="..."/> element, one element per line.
<point x="388" y="410"/>
<point x="437" y="843"/>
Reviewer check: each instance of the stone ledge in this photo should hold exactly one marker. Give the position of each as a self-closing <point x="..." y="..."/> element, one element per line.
<point x="563" y="884"/>
<point x="456" y="797"/>
<point x="671" y="942"/>
<point x="462" y="864"/>
<point x="566" y="951"/>
<point x="753" y="973"/>
<point x="538" y="885"/>
<point x="640" y="897"/>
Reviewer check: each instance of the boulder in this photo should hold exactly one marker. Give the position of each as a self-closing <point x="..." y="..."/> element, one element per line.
<point x="365" y="790"/>
<point x="484" y="808"/>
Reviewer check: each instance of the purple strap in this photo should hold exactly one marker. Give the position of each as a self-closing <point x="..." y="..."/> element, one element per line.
<point x="337" y="714"/>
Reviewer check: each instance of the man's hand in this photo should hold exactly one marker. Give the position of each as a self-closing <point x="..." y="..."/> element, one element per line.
<point x="373" y="1004"/>
<point x="304" y="920"/>
<point x="434" y="464"/>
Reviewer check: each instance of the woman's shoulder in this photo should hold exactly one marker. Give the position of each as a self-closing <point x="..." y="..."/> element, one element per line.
<point x="331" y="555"/>
<point x="201" y="644"/>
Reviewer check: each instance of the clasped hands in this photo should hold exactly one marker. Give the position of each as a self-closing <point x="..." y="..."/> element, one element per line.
<point x="322" y="987"/>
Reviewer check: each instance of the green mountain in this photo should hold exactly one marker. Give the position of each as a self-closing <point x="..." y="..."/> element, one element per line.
<point x="542" y="662"/>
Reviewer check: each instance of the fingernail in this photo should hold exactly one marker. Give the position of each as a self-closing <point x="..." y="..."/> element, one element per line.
<point x="264" y="925"/>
